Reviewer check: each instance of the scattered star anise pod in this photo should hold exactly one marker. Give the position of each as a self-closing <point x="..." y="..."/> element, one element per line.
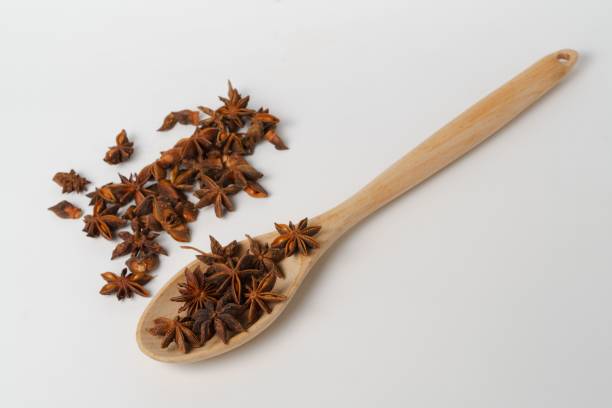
<point x="195" y="291"/>
<point x="212" y="193"/>
<point x="240" y="172"/>
<point x="170" y="221"/>
<point x="258" y="296"/>
<point x="129" y="189"/>
<point x="197" y="144"/>
<point x="142" y="263"/>
<point x="234" y="109"/>
<point x="122" y="151"/>
<point x="218" y="253"/>
<point x="184" y="117"/>
<point x="125" y="286"/>
<point x="220" y="319"/>
<point x="103" y="195"/>
<point x="296" y="238"/>
<point x="266" y="258"/>
<point x="71" y="181"/>
<point x="229" y="275"/>
<point x="177" y="330"/>
<point x="139" y="243"/>
<point x="104" y="221"/>
<point x="65" y="209"/>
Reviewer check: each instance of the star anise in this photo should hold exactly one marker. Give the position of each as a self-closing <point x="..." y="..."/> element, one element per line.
<point x="230" y="142"/>
<point x="220" y="319"/>
<point x="125" y="286"/>
<point x="143" y="263"/>
<point x="266" y="258"/>
<point x="122" y="151"/>
<point x="211" y="193"/>
<point x="186" y="210"/>
<point x="71" y="181"/>
<point x="229" y="275"/>
<point x="139" y="243"/>
<point x="239" y="171"/>
<point x="258" y="296"/>
<point x="234" y="109"/>
<point x="296" y="238"/>
<point x="263" y="126"/>
<point x="184" y="117"/>
<point x="104" y="221"/>
<point x="131" y="188"/>
<point x="197" y="144"/>
<point x="153" y="171"/>
<point x="103" y="194"/>
<point x="218" y="253"/>
<point x="170" y="221"/>
<point x="65" y="209"/>
<point x="195" y="291"/>
<point x="177" y="330"/>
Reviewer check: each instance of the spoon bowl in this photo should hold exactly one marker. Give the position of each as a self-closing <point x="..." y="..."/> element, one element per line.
<point x="445" y="146"/>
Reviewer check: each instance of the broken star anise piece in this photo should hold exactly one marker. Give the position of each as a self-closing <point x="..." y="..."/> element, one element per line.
<point x="265" y="257"/>
<point x="218" y="253"/>
<point x="125" y="286"/>
<point x="71" y="181"/>
<point x="212" y="193"/>
<point x="258" y="296"/>
<point x="139" y="243"/>
<point x="104" y="221"/>
<point x="195" y="291"/>
<point x="170" y="221"/>
<point x="177" y="330"/>
<point x="142" y="263"/>
<point x="230" y="275"/>
<point x="121" y="151"/>
<point x="296" y="238"/>
<point x="220" y="319"/>
<point x="184" y="117"/>
<point x="67" y="210"/>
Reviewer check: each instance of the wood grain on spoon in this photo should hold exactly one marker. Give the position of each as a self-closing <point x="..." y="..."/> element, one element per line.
<point x="442" y="148"/>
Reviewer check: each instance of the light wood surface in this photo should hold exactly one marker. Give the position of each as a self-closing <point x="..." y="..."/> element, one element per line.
<point x="445" y="146"/>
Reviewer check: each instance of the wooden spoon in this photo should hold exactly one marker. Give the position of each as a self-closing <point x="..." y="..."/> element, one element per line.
<point x="445" y="146"/>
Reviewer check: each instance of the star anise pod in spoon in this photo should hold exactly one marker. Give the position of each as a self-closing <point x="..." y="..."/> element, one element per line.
<point x="104" y="221"/>
<point x="218" y="318"/>
<point x="218" y="253"/>
<point x="184" y="117"/>
<point x="258" y="296"/>
<point x="177" y="330"/>
<point x="213" y="193"/>
<point x="125" y="285"/>
<point x="229" y="275"/>
<point x="121" y="151"/>
<point x="195" y="291"/>
<point x="71" y="181"/>
<point x="265" y="257"/>
<point x="294" y="238"/>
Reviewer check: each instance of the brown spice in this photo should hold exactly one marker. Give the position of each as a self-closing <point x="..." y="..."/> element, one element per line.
<point x="71" y="181"/>
<point x="122" y="151"/>
<point x="296" y="238"/>
<point x="65" y="209"/>
<point x="125" y="286"/>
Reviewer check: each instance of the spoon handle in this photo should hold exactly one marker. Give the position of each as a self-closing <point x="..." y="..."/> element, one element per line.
<point x="456" y="138"/>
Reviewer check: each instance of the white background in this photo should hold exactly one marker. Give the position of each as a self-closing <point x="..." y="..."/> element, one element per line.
<point x="488" y="286"/>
